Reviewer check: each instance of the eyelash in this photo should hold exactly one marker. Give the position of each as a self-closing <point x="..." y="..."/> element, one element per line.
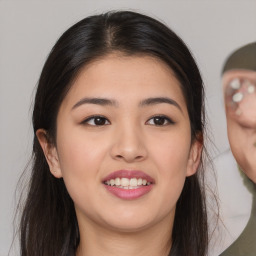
<point x="101" y="118"/>
<point x="165" y="119"/>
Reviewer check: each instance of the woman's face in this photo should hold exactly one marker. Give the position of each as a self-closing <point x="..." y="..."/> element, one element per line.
<point x="123" y="143"/>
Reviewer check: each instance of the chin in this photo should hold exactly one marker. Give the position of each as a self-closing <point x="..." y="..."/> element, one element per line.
<point x="130" y="222"/>
<point x="129" y="227"/>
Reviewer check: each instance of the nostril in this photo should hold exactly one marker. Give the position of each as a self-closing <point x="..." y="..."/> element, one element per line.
<point x="128" y="157"/>
<point x="128" y="152"/>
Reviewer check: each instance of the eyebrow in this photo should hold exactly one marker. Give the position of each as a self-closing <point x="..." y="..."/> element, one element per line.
<point x="96" y="101"/>
<point x="159" y="100"/>
<point x="109" y="102"/>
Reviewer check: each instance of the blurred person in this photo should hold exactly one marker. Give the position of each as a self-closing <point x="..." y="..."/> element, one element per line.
<point x="239" y="89"/>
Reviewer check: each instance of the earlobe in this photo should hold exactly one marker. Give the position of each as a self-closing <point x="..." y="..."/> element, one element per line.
<point x="50" y="153"/>
<point x="194" y="157"/>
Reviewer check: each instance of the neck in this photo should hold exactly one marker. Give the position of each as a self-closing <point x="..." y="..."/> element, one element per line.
<point x="96" y="240"/>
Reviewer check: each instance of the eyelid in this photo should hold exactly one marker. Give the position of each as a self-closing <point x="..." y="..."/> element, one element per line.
<point x="85" y="121"/>
<point x="169" y="120"/>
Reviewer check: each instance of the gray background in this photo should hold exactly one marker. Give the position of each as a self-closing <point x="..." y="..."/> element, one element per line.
<point x="28" y="30"/>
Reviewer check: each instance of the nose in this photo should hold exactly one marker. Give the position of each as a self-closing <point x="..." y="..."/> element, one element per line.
<point x="128" y="145"/>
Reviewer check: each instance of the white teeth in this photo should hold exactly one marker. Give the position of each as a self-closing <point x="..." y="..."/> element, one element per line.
<point x="237" y="97"/>
<point x="117" y="181"/>
<point x="235" y="84"/>
<point x="139" y="182"/>
<point x="126" y="183"/>
<point x="133" y="182"/>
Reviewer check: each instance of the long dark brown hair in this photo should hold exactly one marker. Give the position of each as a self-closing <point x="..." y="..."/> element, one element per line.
<point x="48" y="224"/>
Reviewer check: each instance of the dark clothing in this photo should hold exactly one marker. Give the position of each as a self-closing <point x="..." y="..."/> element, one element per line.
<point x="245" y="244"/>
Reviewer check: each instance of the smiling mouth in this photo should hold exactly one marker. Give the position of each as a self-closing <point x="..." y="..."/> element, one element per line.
<point x="126" y="183"/>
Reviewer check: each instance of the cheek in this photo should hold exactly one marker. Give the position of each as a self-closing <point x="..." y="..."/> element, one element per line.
<point x="171" y="152"/>
<point x="75" y="154"/>
<point x="171" y="158"/>
<point x="79" y="148"/>
<point x="173" y="167"/>
<point x="80" y="159"/>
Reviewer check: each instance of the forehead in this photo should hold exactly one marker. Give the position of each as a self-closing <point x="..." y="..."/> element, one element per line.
<point x="121" y="75"/>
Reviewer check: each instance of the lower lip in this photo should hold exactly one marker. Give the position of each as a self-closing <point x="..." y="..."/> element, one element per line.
<point x="129" y="194"/>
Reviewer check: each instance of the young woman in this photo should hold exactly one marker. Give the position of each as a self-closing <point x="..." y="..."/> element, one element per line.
<point x="117" y="155"/>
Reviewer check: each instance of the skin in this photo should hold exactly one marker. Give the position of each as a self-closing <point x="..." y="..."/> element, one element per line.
<point x="129" y="139"/>
<point x="242" y="128"/>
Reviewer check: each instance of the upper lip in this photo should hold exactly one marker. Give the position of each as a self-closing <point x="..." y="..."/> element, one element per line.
<point x="128" y="174"/>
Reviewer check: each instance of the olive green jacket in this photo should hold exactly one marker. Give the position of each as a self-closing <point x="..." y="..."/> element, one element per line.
<point x="245" y="244"/>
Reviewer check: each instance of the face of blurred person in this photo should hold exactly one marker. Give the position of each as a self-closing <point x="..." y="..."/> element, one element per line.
<point x="123" y="144"/>
<point x="239" y="87"/>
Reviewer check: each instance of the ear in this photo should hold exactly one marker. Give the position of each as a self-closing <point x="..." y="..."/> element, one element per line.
<point x="195" y="155"/>
<point x="50" y="153"/>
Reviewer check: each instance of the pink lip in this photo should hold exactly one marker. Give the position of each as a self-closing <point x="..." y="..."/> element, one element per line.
<point x="129" y="194"/>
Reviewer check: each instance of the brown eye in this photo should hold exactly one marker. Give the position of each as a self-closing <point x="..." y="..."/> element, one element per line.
<point x="159" y="121"/>
<point x="96" y="121"/>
